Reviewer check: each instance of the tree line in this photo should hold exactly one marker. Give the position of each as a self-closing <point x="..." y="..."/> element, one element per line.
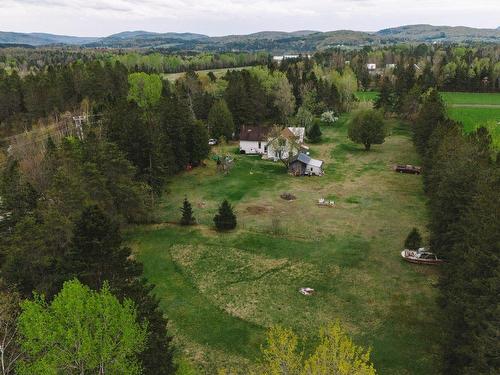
<point x="448" y="67"/>
<point x="461" y="175"/>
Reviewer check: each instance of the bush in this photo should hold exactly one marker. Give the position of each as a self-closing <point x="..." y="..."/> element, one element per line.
<point x="225" y="218"/>
<point x="329" y="117"/>
<point x="414" y="240"/>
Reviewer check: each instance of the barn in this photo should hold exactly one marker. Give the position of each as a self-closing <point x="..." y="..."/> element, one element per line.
<point x="304" y="165"/>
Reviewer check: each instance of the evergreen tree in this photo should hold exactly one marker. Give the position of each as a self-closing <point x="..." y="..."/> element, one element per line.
<point x="97" y="254"/>
<point x="385" y="98"/>
<point x="413" y="240"/>
<point x="220" y="120"/>
<point x="187" y="213"/>
<point x="197" y="144"/>
<point x="431" y="113"/>
<point x="314" y="133"/>
<point x="225" y="219"/>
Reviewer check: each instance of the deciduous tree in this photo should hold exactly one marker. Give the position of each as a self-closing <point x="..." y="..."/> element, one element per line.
<point x="367" y="127"/>
<point x="80" y="331"/>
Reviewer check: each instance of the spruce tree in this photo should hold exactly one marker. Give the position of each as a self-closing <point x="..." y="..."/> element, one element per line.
<point x="314" y="134"/>
<point x="413" y="240"/>
<point x="187" y="213"/>
<point x="225" y="218"/>
<point x="385" y="98"/>
<point x="220" y="120"/>
<point x="432" y="112"/>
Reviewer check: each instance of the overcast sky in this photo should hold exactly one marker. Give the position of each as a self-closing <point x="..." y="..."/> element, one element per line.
<point x="222" y="17"/>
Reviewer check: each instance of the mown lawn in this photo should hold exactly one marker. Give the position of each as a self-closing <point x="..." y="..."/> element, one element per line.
<point x="471" y="98"/>
<point x="474" y="110"/>
<point x="366" y="95"/>
<point x="221" y="291"/>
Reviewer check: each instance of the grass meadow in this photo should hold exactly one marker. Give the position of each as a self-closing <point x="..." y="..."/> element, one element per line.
<point x="222" y="291"/>
<point x="172" y="77"/>
<point x="471" y="109"/>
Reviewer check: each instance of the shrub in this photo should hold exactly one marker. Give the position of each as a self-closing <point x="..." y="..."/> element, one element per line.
<point x="414" y="240"/>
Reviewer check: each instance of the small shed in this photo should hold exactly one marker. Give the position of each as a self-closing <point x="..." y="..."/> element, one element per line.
<point x="304" y="165"/>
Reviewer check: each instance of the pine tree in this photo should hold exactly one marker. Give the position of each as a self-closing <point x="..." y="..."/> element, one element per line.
<point x="225" y="218"/>
<point x="430" y="115"/>
<point x="413" y="240"/>
<point x="220" y="120"/>
<point x="187" y="213"/>
<point x="385" y="98"/>
<point x="314" y="134"/>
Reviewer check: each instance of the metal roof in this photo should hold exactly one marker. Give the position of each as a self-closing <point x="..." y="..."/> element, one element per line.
<point x="308" y="160"/>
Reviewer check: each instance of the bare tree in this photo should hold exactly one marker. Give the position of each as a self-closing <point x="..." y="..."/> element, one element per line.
<point x="9" y="350"/>
<point x="285" y="147"/>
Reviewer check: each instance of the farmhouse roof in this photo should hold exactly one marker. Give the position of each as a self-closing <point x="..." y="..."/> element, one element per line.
<point x="298" y="132"/>
<point x="288" y="133"/>
<point x="253" y="133"/>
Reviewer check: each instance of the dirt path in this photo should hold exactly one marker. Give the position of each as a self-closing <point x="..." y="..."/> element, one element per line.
<point x="475" y="105"/>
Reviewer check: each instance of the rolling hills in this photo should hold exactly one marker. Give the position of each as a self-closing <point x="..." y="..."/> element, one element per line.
<point x="273" y="41"/>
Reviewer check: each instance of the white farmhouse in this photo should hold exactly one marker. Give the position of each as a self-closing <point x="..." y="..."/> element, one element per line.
<point x="287" y="144"/>
<point x="371" y="66"/>
<point x="253" y="140"/>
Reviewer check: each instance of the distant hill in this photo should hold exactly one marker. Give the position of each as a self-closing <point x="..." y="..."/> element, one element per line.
<point x="271" y="41"/>
<point x="40" y="39"/>
<point x="428" y="33"/>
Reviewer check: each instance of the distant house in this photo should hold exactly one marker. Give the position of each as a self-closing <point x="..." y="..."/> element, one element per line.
<point x="390" y="66"/>
<point x="257" y="140"/>
<point x="371" y="66"/>
<point x="287" y="144"/>
<point x="253" y="140"/>
<point x="303" y="165"/>
<point x="280" y="58"/>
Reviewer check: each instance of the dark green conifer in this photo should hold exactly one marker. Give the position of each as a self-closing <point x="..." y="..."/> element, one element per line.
<point x="187" y="213"/>
<point x="413" y="240"/>
<point x="225" y="218"/>
<point x="314" y="134"/>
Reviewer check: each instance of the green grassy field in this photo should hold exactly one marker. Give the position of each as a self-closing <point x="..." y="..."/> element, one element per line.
<point x="366" y="95"/>
<point x="471" y="109"/>
<point x="172" y="77"/>
<point x="469" y="98"/>
<point x="221" y="291"/>
<point x="474" y="110"/>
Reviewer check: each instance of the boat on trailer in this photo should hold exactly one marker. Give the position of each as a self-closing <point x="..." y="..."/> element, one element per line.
<point x="420" y="256"/>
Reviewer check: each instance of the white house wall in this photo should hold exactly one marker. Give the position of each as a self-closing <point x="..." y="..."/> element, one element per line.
<point x="252" y="147"/>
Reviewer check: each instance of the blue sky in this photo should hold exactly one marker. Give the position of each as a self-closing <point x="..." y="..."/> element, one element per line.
<point x="222" y="17"/>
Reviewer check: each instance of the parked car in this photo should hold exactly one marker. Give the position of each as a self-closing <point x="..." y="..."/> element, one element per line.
<point x="407" y="169"/>
<point x="212" y="142"/>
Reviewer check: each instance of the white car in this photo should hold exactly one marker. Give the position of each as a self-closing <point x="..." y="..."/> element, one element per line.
<point x="212" y="142"/>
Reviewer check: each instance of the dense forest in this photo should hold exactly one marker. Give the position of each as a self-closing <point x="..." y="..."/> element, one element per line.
<point x="62" y="219"/>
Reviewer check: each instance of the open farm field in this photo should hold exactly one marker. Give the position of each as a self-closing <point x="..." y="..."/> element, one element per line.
<point x="222" y="291"/>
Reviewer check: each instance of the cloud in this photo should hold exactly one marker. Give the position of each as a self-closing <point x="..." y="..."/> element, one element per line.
<point x="216" y="17"/>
